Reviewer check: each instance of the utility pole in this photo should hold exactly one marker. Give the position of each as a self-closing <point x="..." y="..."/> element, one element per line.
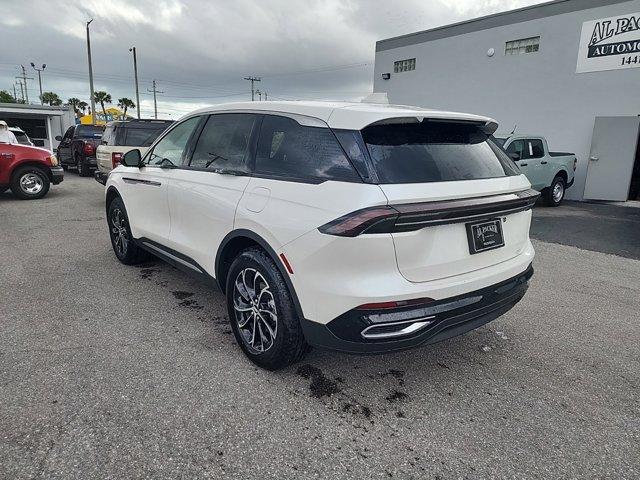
<point x="252" y="80"/>
<point x="155" y="103"/>
<point x="135" y="73"/>
<point x="265" y="96"/>
<point x="24" y="79"/>
<point x="44" y="65"/>
<point x="259" y="93"/>
<point x="91" y="96"/>
<point x="15" y="97"/>
<point x="21" y="88"/>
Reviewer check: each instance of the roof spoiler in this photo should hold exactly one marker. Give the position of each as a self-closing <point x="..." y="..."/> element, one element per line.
<point x="489" y="127"/>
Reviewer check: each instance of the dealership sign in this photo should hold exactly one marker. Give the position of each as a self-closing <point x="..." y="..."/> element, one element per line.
<point x="610" y="44"/>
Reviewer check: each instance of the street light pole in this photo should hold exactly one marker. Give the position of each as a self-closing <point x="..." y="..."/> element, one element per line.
<point x="39" y="70"/>
<point x="93" y="101"/>
<point x="135" y="73"/>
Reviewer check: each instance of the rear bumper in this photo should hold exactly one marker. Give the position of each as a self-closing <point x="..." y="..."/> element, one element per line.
<point x="100" y="177"/>
<point x="446" y="318"/>
<point x="57" y="175"/>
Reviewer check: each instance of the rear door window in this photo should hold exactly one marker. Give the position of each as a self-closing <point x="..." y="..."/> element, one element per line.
<point x="535" y="147"/>
<point x="291" y="151"/>
<point x="434" y="152"/>
<point x="224" y="142"/>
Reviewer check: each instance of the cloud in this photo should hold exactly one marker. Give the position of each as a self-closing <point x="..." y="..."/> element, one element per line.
<point x="199" y="50"/>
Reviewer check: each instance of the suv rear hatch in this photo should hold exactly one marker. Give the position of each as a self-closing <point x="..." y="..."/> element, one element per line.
<point x="463" y="205"/>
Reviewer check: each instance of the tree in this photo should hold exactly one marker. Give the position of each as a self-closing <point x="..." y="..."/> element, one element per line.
<point x="102" y="98"/>
<point x="125" y="103"/>
<point x="51" y="98"/>
<point x="73" y="102"/>
<point x="82" y="106"/>
<point x="6" y="97"/>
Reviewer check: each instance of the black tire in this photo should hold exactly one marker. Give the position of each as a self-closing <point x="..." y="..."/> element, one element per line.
<point x="83" y="168"/>
<point x="3" y="189"/>
<point x="122" y="241"/>
<point x="289" y="345"/>
<point x="554" y="195"/>
<point x="30" y="183"/>
<point x="64" y="167"/>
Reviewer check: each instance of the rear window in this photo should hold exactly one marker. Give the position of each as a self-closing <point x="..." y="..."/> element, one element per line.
<point x="434" y="152"/>
<point x="89" y="131"/>
<point x="132" y="136"/>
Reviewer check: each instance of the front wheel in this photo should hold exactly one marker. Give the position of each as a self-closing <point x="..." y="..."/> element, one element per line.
<point x="261" y="311"/>
<point x="30" y="183"/>
<point x="120" y="233"/>
<point x="554" y="195"/>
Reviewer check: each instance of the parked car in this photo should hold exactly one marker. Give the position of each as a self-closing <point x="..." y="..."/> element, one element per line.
<point x="120" y="137"/>
<point x="77" y="148"/>
<point x="551" y="173"/>
<point x="28" y="171"/>
<point x="21" y="136"/>
<point x="357" y="227"/>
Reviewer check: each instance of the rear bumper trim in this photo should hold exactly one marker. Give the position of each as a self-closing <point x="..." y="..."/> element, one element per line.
<point x="454" y="316"/>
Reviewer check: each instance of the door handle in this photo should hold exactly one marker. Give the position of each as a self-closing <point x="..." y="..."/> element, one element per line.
<point x="543" y="163"/>
<point x="524" y="164"/>
<point x="594" y="159"/>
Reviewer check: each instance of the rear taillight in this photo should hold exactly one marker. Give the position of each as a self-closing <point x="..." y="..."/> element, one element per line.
<point x="88" y="149"/>
<point x="116" y="158"/>
<point x="414" y="216"/>
<point x="575" y="164"/>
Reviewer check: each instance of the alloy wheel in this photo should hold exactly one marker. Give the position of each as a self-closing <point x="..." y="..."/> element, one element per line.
<point x="119" y="232"/>
<point x="255" y="310"/>
<point x="558" y="192"/>
<point x="31" y="183"/>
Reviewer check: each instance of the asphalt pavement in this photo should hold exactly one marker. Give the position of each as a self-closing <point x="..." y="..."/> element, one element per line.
<point x="109" y="371"/>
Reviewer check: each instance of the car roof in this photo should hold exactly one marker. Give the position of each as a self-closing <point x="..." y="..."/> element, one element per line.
<point x="346" y="115"/>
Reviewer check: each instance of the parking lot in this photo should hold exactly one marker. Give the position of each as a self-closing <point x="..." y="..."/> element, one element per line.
<point x="113" y="371"/>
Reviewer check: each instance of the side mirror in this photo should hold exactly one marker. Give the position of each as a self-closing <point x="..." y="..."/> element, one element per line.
<point x="132" y="158"/>
<point x="58" y="138"/>
<point x="515" y="156"/>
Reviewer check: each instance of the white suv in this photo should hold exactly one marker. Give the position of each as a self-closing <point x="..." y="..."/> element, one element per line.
<point x="358" y="227"/>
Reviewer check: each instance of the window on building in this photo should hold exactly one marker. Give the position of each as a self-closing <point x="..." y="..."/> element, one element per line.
<point x="404" y="65"/>
<point x="525" y="45"/>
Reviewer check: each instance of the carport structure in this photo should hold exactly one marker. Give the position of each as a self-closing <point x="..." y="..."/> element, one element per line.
<point x="41" y="122"/>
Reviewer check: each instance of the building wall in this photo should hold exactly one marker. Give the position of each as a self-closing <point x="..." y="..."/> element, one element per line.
<point x="538" y="92"/>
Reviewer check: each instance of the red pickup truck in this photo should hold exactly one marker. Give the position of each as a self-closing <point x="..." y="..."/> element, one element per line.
<point x="28" y="171"/>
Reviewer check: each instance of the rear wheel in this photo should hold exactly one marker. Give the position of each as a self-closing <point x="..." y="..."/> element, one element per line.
<point x="261" y="312"/>
<point x="120" y="233"/>
<point x="30" y="183"/>
<point x="83" y="168"/>
<point x="554" y="195"/>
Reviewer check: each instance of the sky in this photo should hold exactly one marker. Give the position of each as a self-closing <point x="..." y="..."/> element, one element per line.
<point x="199" y="51"/>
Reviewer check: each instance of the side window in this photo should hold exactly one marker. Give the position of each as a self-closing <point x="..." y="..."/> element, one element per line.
<point x="109" y="131"/>
<point x="170" y="150"/>
<point x="68" y="134"/>
<point x="517" y="146"/>
<point x="536" y="149"/>
<point x="290" y="150"/>
<point x="224" y="142"/>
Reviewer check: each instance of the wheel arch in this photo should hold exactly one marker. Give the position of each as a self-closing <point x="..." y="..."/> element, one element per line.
<point x="562" y="174"/>
<point x="112" y="192"/>
<point x="236" y="241"/>
<point x="36" y="164"/>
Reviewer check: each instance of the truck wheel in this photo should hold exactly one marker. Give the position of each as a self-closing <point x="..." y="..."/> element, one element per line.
<point x="2" y="190"/>
<point x="83" y="168"/>
<point x="120" y="233"/>
<point x="29" y="183"/>
<point x="554" y="195"/>
<point x="261" y="312"/>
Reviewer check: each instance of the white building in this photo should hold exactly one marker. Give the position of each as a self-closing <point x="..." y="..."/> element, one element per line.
<point x="565" y="69"/>
<point x="41" y="122"/>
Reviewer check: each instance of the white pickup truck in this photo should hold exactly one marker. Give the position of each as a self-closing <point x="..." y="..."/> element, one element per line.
<point x="551" y="173"/>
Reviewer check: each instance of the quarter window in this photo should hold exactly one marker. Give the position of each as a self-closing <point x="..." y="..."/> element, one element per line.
<point x="524" y="45"/>
<point x="224" y="142"/>
<point x="289" y="150"/>
<point x="170" y="150"/>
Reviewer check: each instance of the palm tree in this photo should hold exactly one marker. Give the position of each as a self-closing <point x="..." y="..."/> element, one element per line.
<point x="125" y="103"/>
<point x="102" y="98"/>
<point x="51" y="99"/>
<point x="74" y="102"/>
<point x="82" y="106"/>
